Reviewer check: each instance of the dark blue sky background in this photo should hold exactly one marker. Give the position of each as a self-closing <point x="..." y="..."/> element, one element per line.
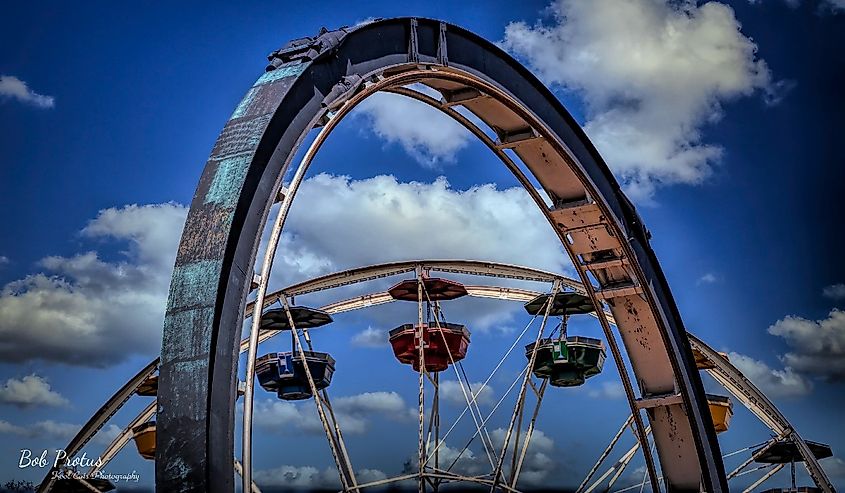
<point x="141" y="93"/>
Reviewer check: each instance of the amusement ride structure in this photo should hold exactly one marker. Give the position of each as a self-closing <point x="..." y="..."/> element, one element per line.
<point x="189" y="424"/>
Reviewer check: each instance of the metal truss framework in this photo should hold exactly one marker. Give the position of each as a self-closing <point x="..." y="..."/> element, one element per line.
<point x="722" y="369"/>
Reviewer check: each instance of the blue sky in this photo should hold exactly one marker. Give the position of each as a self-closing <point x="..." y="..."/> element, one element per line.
<point x="725" y="133"/>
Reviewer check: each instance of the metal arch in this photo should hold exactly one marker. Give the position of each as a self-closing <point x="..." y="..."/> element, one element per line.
<point x="221" y="236"/>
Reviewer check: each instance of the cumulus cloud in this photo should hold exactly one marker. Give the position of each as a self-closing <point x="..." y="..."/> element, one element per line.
<point x="91" y="310"/>
<point x="834" y="291"/>
<point x="425" y="133"/>
<point x="28" y="391"/>
<point x="538" y="465"/>
<point x="370" y="337"/>
<point x="13" y="88"/>
<point x="450" y="391"/>
<point x="87" y="311"/>
<point x="652" y="75"/>
<point x="410" y="221"/>
<point x="834" y="466"/>
<point x="106" y="434"/>
<point x="773" y="382"/>
<point x="816" y="347"/>
<point x="353" y="413"/>
<point x="309" y="477"/>
<point x="43" y="429"/>
<point x="607" y="390"/>
<point x="708" y="278"/>
<point x="4" y="259"/>
<point x="835" y="5"/>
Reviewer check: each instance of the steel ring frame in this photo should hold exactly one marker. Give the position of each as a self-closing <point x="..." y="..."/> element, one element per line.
<point x="598" y="226"/>
<point x="724" y="372"/>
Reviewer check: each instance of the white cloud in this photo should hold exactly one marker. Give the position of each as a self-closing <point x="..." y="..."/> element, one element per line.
<point x="309" y="477"/>
<point x="538" y="465"/>
<point x="836" y="5"/>
<point x="13" y="88"/>
<point x="834" y="466"/>
<point x="106" y="434"/>
<point x="817" y="347"/>
<point x="425" y="133"/>
<point x="414" y="220"/>
<point x="7" y="428"/>
<point x="30" y="390"/>
<point x="87" y="311"/>
<point x="370" y="337"/>
<point x="43" y="429"/>
<point x="607" y="390"/>
<point x="773" y="382"/>
<point x="652" y="75"/>
<point x="90" y="310"/>
<point x="450" y="391"/>
<point x="834" y="291"/>
<point x="708" y="278"/>
<point x="4" y="259"/>
<point x="353" y="413"/>
<point x="297" y="477"/>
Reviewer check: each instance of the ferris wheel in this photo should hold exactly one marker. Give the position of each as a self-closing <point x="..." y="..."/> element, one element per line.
<point x="310" y="85"/>
<point x="553" y="358"/>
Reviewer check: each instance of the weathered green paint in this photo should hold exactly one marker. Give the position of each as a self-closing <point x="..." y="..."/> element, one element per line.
<point x="291" y="70"/>
<point x="225" y="188"/>
<point x="241" y="109"/>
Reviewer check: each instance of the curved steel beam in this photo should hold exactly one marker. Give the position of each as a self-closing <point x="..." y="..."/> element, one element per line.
<point x="378" y="271"/>
<point x="599" y="227"/>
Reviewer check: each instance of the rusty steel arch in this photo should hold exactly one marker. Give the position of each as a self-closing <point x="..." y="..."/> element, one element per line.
<point x="309" y="82"/>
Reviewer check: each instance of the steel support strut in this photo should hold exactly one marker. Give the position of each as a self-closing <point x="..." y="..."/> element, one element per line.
<point x="347" y="479"/>
<point x="497" y="473"/>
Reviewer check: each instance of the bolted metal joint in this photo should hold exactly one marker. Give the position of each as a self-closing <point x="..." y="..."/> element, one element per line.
<point x="307" y="48"/>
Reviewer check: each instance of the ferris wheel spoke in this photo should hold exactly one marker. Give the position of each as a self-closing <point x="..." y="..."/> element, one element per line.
<point x="346" y="474"/>
<point x="605" y="453"/>
<point x="492" y="411"/>
<point x="483" y="385"/>
<point x="620" y="465"/>
<point x="339" y="437"/>
<point x="517" y="468"/>
<point x="470" y="401"/>
<point x="521" y="398"/>
<point x="774" y="470"/>
<point x="422" y="371"/>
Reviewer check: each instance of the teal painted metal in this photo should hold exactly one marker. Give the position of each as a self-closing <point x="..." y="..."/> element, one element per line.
<point x="201" y="277"/>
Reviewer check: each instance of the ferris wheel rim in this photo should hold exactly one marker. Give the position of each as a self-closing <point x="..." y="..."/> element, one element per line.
<point x="481" y="291"/>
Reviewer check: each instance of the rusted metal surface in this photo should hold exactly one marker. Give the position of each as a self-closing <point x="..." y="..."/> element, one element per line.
<point x="241" y="180"/>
